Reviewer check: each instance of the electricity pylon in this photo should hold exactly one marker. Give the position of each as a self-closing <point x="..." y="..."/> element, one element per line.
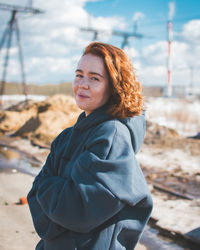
<point x="13" y="26"/>
<point x="126" y="35"/>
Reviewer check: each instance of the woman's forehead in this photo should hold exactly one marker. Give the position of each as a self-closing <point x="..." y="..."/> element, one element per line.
<point x="91" y="63"/>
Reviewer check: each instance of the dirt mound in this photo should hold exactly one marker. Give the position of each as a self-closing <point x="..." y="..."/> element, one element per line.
<point x="10" y="121"/>
<point x="158" y="134"/>
<point x="164" y="138"/>
<point x="42" y="121"/>
<point x="24" y="105"/>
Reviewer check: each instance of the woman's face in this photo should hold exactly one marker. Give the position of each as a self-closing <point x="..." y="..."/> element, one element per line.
<point x="91" y="84"/>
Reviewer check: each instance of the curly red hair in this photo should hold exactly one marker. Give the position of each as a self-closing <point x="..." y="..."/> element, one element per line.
<point x="126" y="92"/>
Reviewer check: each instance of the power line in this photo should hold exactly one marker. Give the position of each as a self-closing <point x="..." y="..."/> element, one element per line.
<point x="175" y="20"/>
<point x="26" y="9"/>
<point x="124" y="34"/>
<point x="12" y="26"/>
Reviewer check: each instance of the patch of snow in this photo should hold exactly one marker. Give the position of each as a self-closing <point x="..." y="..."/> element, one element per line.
<point x="180" y="114"/>
<point x="22" y="97"/>
<point x="170" y="160"/>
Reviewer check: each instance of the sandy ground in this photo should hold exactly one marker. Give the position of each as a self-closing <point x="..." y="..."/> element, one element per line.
<point x="17" y="231"/>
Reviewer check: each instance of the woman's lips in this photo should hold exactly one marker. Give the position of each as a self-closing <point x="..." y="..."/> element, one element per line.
<point x="82" y="96"/>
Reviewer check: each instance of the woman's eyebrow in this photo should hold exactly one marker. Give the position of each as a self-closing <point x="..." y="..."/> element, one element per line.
<point x="95" y="73"/>
<point x="90" y="72"/>
<point x="79" y="70"/>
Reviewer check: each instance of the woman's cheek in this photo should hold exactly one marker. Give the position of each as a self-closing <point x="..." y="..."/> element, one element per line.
<point x="74" y="87"/>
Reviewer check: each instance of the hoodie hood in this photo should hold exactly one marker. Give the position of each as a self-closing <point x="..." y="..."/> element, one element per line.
<point x="137" y="128"/>
<point x="135" y="125"/>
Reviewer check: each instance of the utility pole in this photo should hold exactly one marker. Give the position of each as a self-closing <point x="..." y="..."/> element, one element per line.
<point x="92" y="30"/>
<point x="126" y="35"/>
<point x="191" y="78"/>
<point x="13" y="26"/>
<point x="170" y="38"/>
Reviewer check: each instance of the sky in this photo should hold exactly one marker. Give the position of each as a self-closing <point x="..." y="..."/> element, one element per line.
<point x="53" y="42"/>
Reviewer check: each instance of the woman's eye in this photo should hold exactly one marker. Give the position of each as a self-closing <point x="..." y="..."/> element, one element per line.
<point x="78" y="76"/>
<point x="94" y="78"/>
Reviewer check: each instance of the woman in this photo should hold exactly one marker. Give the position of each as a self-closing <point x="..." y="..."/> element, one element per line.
<point x="91" y="193"/>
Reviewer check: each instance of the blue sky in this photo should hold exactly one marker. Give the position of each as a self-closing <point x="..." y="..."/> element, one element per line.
<point x="155" y="14"/>
<point x="153" y="9"/>
<point x="52" y="42"/>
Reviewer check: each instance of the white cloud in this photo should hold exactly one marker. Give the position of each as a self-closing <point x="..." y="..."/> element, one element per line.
<point x="154" y="63"/>
<point x="185" y="56"/>
<point x="180" y="54"/>
<point x="138" y="16"/>
<point x="153" y="71"/>
<point x="154" y="75"/>
<point x="12" y="51"/>
<point x="108" y="23"/>
<point x="52" y="41"/>
<point x="191" y="31"/>
<point x="52" y="44"/>
<point x="13" y="70"/>
<point x="155" y="53"/>
<point x="131" y="52"/>
<point x="54" y="67"/>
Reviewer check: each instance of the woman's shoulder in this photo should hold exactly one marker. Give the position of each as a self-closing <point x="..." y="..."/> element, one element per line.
<point x="115" y="124"/>
<point x="110" y="129"/>
<point x="106" y="136"/>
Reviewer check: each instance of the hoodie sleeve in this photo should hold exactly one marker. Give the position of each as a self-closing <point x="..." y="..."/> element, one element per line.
<point x="99" y="186"/>
<point x="44" y="226"/>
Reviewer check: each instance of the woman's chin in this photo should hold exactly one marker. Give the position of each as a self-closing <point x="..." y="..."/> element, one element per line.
<point x="82" y="106"/>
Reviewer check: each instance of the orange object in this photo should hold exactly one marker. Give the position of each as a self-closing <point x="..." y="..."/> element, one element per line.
<point x="23" y="200"/>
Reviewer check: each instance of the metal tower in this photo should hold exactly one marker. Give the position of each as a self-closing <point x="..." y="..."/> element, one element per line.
<point x="94" y="31"/>
<point x="13" y="26"/>
<point x="170" y="39"/>
<point x="124" y="34"/>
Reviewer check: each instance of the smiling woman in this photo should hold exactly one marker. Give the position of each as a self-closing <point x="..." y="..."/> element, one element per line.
<point x="91" y="84"/>
<point x="91" y="193"/>
<point x="110" y="70"/>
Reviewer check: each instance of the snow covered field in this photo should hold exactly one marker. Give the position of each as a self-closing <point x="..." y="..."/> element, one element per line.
<point x="8" y="100"/>
<point x="19" y="98"/>
<point x="183" y="115"/>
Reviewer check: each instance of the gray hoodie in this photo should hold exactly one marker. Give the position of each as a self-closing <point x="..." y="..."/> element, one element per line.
<point x="91" y="193"/>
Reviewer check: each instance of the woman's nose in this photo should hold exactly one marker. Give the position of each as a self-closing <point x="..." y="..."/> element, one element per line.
<point x="83" y="83"/>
